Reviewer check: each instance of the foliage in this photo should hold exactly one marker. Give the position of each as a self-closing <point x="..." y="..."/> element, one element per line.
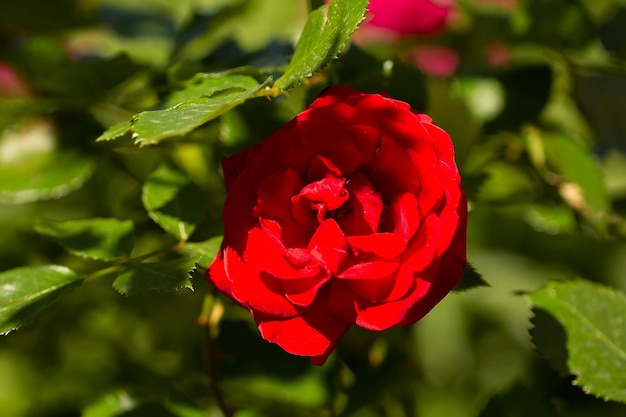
<point x="111" y="197"/>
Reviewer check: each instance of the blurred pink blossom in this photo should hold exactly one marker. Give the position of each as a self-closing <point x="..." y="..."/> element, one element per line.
<point x="409" y="17"/>
<point x="436" y="60"/>
<point x="11" y="84"/>
<point x="388" y="19"/>
<point x="498" y="54"/>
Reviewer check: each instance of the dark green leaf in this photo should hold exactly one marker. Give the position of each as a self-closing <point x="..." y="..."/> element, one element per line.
<point x="151" y="127"/>
<point x="173" y="201"/>
<point x="145" y="277"/>
<point x="102" y="239"/>
<point x="326" y="32"/>
<point x="26" y="291"/>
<point x="613" y="33"/>
<point x="518" y="402"/>
<point x="470" y="279"/>
<point x="43" y="176"/>
<point x="526" y="92"/>
<point x="592" y="317"/>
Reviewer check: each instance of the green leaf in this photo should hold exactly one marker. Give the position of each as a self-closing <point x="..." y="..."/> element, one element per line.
<point x="144" y="277"/>
<point x="592" y="317"/>
<point x="207" y="84"/>
<point x="173" y="201"/>
<point x="205" y="250"/>
<point x="111" y="405"/>
<point x="576" y="164"/>
<point x="470" y="279"/>
<point x="26" y="291"/>
<point x="101" y="239"/>
<point x="43" y="176"/>
<point x="151" y="127"/>
<point x="325" y="33"/>
<point x="114" y="132"/>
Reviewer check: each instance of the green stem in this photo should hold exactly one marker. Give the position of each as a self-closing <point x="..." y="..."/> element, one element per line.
<point x="209" y="322"/>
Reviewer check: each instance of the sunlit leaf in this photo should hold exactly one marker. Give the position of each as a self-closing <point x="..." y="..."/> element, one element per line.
<point x="209" y="84"/>
<point x="151" y="127"/>
<point x="26" y="291"/>
<point x="111" y="405"/>
<point x="326" y="32"/>
<point x="576" y="164"/>
<point x="206" y="250"/>
<point x="102" y="239"/>
<point x="116" y="131"/>
<point x="146" y="277"/>
<point x="173" y="201"/>
<point x="43" y="176"/>
<point x="592" y="319"/>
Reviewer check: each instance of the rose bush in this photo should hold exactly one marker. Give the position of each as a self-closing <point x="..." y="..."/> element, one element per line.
<point x="350" y="214"/>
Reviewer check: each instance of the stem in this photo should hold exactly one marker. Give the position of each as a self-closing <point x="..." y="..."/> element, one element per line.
<point x="209" y="318"/>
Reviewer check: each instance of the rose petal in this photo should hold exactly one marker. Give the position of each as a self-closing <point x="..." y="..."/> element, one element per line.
<point x="393" y="171"/>
<point x="322" y="167"/>
<point x="367" y="138"/>
<point x="255" y="290"/>
<point x="274" y="195"/>
<point x="330" y="191"/>
<point x="284" y="148"/>
<point x="358" y="301"/>
<point x="328" y="245"/>
<point x="365" y="208"/>
<point x="374" y="290"/>
<point x="421" y="250"/>
<point x="401" y="221"/>
<point x="265" y="252"/>
<point x="333" y="141"/>
<point x="238" y="214"/>
<point x="367" y="267"/>
<point x="216" y="274"/>
<point x="302" y="292"/>
<point x="453" y="203"/>
<point x="385" y="315"/>
<point x="385" y="245"/>
<point x="449" y="273"/>
<point x="314" y="333"/>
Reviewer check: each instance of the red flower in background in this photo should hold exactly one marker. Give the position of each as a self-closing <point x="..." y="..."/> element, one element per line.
<point x="350" y="214"/>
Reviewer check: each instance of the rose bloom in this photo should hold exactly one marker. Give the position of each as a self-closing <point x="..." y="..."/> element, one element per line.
<point x="350" y="214"/>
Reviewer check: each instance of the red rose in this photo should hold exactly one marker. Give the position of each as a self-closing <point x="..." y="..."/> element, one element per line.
<point x="350" y="214"/>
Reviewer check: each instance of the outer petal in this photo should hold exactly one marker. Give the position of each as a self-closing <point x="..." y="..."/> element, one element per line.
<point x="450" y="271"/>
<point x="216" y="275"/>
<point x="313" y="333"/>
<point x="256" y="290"/>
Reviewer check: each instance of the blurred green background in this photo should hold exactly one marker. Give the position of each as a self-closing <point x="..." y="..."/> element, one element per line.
<point x="540" y="141"/>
